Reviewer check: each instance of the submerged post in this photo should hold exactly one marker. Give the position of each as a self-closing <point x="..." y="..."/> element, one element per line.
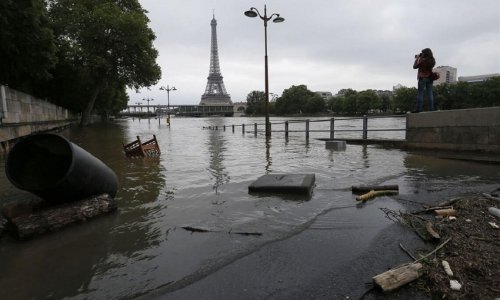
<point x="406" y="131"/>
<point x="332" y="128"/>
<point x="307" y="129"/>
<point x="255" y="129"/>
<point x="243" y="128"/>
<point x="365" y="127"/>
<point x="286" y="129"/>
<point x="233" y="128"/>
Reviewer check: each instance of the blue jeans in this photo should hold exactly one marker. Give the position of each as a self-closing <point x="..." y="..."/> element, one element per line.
<point x="425" y="85"/>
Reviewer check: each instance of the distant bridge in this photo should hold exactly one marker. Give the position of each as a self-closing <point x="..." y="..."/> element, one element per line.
<point x="179" y="110"/>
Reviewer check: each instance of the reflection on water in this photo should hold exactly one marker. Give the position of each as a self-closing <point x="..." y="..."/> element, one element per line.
<point x="201" y="180"/>
<point x="269" y="160"/>
<point x="216" y="148"/>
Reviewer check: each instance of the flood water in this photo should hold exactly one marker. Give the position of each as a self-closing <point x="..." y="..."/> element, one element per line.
<point x="201" y="180"/>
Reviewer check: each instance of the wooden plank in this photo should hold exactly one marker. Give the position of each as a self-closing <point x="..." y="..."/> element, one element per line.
<point x="58" y="217"/>
<point x="395" y="278"/>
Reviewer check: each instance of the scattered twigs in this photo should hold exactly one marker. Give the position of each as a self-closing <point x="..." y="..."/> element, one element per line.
<point x="490" y="197"/>
<point x="431" y="209"/>
<point x="392" y="215"/>
<point x="433" y="251"/>
<point x="406" y="251"/>
<point x="450" y="202"/>
<point x="414" y="216"/>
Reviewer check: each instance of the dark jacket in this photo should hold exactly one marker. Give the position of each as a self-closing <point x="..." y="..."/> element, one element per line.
<point x="424" y="66"/>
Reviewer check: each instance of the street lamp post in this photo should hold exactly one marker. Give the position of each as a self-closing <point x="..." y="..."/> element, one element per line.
<point x="168" y="89"/>
<point x="148" y="100"/>
<point x="252" y="13"/>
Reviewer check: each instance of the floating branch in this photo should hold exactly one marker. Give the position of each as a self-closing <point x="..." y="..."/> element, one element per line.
<point x="367" y="188"/>
<point x="197" y="229"/>
<point x="372" y="194"/>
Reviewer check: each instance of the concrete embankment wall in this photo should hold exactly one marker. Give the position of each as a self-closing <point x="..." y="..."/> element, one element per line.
<point x="22" y="114"/>
<point x="457" y="130"/>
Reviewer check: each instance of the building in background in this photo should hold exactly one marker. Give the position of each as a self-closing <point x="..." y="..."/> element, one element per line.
<point x="446" y="74"/>
<point x="325" y="95"/>
<point x="477" y="78"/>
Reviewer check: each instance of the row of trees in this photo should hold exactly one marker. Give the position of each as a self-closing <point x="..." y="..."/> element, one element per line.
<point x="294" y="100"/>
<point x="80" y="54"/>
<point x="298" y="99"/>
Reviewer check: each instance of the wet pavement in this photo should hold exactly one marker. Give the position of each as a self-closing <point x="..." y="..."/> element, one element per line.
<point x="321" y="262"/>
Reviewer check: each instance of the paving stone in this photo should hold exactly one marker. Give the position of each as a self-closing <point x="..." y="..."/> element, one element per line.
<point x="283" y="183"/>
<point x="336" y="145"/>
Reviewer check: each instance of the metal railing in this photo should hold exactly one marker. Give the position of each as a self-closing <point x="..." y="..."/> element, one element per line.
<point x="286" y="126"/>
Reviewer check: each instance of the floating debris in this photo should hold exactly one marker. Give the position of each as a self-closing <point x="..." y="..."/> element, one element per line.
<point x="447" y="268"/>
<point x="372" y="194"/>
<point x="136" y="148"/>
<point x="197" y="229"/>
<point x="455" y="285"/>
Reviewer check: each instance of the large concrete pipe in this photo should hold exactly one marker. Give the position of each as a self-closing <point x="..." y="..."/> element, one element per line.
<point x="52" y="167"/>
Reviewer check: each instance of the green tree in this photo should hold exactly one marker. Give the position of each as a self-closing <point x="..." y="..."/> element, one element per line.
<point x="346" y="92"/>
<point x="351" y="103"/>
<point x="298" y="99"/>
<point x="27" y="50"/>
<point x="107" y="43"/>
<point x="367" y="100"/>
<point x="336" y="104"/>
<point x="386" y="103"/>
<point x="112" y="100"/>
<point x="404" y="99"/>
<point x="256" y="101"/>
<point x="314" y="104"/>
<point x="486" y="93"/>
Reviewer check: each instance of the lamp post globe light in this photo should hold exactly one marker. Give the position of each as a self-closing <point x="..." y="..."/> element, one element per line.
<point x="168" y="89"/>
<point x="252" y="13"/>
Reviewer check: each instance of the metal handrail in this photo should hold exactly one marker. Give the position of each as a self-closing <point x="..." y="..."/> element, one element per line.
<point x="332" y="129"/>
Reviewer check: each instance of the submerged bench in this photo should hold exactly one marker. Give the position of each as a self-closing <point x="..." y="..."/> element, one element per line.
<point x="137" y="148"/>
<point x="283" y="183"/>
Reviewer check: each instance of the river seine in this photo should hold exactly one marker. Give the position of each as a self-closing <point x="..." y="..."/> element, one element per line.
<point x="201" y="181"/>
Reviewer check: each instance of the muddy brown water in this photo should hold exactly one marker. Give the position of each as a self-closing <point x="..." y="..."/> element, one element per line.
<point x="201" y="181"/>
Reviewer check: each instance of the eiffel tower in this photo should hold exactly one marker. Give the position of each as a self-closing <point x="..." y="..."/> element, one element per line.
<point x="215" y="92"/>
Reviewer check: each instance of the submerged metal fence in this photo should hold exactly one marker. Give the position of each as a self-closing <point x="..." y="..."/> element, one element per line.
<point x="308" y="126"/>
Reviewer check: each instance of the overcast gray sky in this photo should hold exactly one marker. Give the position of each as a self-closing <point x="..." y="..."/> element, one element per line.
<point x="327" y="45"/>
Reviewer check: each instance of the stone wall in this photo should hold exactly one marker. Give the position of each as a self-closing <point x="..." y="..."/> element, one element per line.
<point x="22" y="114"/>
<point x="457" y="130"/>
